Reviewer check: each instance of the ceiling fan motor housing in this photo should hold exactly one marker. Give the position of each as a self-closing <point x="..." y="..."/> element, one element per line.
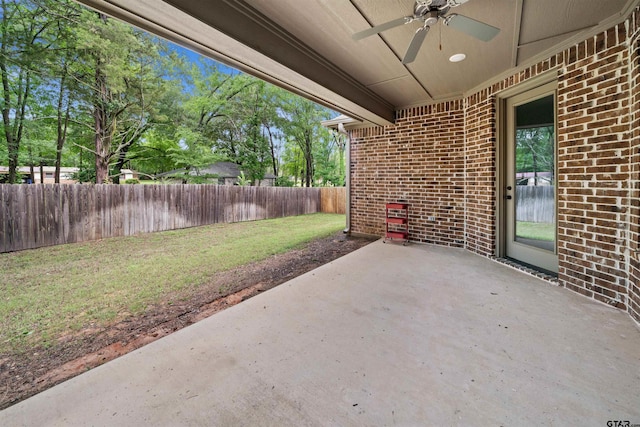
<point x="421" y="7"/>
<point x="431" y="18"/>
<point x="426" y="9"/>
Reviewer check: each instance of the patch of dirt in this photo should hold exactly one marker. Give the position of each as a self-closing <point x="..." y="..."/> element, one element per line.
<point x="24" y="375"/>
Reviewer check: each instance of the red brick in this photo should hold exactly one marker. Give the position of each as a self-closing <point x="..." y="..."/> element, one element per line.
<point x="441" y="158"/>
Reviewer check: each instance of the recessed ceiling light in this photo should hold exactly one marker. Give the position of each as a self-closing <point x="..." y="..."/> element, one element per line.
<point x="457" y="57"/>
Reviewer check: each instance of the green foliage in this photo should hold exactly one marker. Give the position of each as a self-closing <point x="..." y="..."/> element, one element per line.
<point x="242" y="180"/>
<point x="132" y="181"/>
<point x="293" y="162"/>
<point x="87" y="89"/>
<point x="329" y="160"/>
<point x="535" y="149"/>
<point x="25" y="35"/>
<point x="254" y="146"/>
<point x="153" y="154"/>
<point x="283" y="181"/>
<point x="193" y="153"/>
<point x="124" y="85"/>
<point x="4" y="153"/>
<point x="85" y="174"/>
<point x="302" y="127"/>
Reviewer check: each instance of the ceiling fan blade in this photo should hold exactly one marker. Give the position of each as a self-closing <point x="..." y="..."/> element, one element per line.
<point x="477" y="29"/>
<point x="380" y="28"/>
<point x="414" y="47"/>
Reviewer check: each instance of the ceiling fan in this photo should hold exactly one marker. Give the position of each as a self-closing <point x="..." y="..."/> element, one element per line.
<point x="429" y="12"/>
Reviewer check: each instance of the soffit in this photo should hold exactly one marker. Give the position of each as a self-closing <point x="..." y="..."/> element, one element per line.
<point x="306" y="45"/>
<point x="546" y="23"/>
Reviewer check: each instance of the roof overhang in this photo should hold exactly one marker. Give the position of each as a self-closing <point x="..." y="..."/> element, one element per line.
<point x="267" y="51"/>
<point x="306" y="46"/>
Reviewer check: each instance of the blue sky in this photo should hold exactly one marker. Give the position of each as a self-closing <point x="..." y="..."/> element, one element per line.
<point x="193" y="57"/>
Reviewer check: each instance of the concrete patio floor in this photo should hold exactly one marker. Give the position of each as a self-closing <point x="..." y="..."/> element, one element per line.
<point x="387" y="335"/>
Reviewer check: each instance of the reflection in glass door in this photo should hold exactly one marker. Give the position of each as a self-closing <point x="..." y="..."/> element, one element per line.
<point x="531" y="179"/>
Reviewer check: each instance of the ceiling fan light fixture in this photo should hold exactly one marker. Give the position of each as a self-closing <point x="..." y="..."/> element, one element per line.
<point x="457" y="57"/>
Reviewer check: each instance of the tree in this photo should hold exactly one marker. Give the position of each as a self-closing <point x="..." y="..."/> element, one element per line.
<point x="123" y="83"/>
<point x="61" y="71"/>
<point x="224" y="115"/>
<point x="39" y="85"/>
<point x="36" y="139"/>
<point x="23" y="25"/>
<point x="251" y="107"/>
<point x="293" y="162"/>
<point x="535" y="151"/>
<point x="156" y="150"/>
<point x="209" y="108"/>
<point x="329" y="159"/>
<point x="302" y="126"/>
<point x="153" y="155"/>
<point x="272" y="123"/>
<point x="192" y="154"/>
<point x="79" y="87"/>
<point x="255" y="147"/>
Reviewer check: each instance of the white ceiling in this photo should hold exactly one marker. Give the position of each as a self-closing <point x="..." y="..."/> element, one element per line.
<point x="306" y="45"/>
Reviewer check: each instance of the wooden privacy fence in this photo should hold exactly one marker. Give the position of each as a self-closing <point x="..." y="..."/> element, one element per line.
<point x="333" y="199"/>
<point x="33" y="216"/>
<point x="535" y="203"/>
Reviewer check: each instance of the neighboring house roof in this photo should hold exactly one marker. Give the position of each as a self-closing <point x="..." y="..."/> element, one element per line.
<point x="63" y="169"/>
<point x="220" y="169"/>
<point x="533" y="174"/>
<point x="27" y="169"/>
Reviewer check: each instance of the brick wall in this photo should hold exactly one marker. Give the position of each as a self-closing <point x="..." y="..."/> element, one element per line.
<point x="634" y="222"/>
<point x="593" y="167"/>
<point x="442" y="159"/>
<point x="480" y="156"/>
<point x="419" y="160"/>
<point x="480" y="165"/>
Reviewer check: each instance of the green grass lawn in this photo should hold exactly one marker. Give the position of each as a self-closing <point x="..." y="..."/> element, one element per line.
<point x="49" y="291"/>
<point x="536" y="230"/>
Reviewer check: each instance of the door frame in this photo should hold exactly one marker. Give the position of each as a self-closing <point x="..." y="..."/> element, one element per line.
<point x="501" y="152"/>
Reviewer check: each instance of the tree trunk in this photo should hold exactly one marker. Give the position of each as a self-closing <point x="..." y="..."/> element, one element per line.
<point x="295" y="174"/>
<point x="13" y="157"/>
<point x="308" y="155"/>
<point x="12" y="146"/>
<point x="13" y="131"/>
<point x="31" y="166"/>
<point x="63" y="123"/>
<point x="101" y="124"/>
<point x="122" y="158"/>
<point x="272" y="148"/>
